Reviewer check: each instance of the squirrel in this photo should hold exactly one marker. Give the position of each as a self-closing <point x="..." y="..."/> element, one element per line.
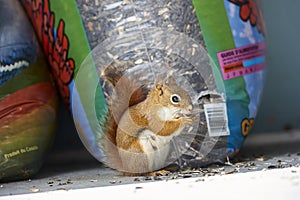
<point x="142" y="122"/>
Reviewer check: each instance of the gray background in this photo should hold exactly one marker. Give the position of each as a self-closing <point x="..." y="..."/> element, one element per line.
<point x="280" y="104"/>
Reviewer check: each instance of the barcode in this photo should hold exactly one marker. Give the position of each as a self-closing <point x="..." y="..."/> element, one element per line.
<point x="217" y="120"/>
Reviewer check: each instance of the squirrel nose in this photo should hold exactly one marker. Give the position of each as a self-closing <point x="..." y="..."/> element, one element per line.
<point x="190" y="108"/>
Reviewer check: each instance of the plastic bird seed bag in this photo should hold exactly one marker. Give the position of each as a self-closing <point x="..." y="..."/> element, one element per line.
<point x="215" y="51"/>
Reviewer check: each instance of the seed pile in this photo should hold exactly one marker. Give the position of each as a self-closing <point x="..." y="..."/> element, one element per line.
<point x="103" y="19"/>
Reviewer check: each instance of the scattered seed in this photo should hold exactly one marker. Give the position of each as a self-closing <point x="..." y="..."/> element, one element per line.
<point x="174" y="177"/>
<point x="137" y="179"/>
<point x="250" y="164"/>
<point x="228" y="172"/>
<point x="252" y="168"/>
<point x="157" y="178"/>
<point x="187" y="176"/>
<point x="34" y="190"/>
<point x="197" y="171"/>
<point x="113" y="182"/>
<point x="208" y="174"/>
<point x="62" y="189"/>
<point x="239" y="164"/>
<point x="221" y="168"/>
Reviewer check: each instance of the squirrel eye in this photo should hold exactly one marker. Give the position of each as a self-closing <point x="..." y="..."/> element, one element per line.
<point x="175" y="98"/>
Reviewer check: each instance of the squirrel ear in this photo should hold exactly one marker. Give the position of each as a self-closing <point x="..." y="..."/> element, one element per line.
<point x="159" y="89"/>
<point x="171" y="81"/>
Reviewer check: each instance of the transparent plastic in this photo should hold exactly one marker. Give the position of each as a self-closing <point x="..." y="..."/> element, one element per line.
<point x="143" y="43"/>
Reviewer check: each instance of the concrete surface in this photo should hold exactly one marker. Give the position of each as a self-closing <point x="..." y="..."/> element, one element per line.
<point x="273" y="184"/>
<point x="267" y="168"/>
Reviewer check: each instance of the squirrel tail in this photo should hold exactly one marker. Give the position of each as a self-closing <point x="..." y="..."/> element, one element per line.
<point x="123" y="93"/>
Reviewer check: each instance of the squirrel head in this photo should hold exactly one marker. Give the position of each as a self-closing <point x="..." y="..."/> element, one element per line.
<point x="175" y="100"/>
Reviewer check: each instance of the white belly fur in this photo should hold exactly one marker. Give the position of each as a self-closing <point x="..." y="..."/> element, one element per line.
<point x="156" y="147"/>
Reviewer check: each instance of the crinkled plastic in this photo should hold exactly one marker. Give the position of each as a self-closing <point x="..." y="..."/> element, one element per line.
<point x="214" y="49"/>
<point x="28" y="98"/>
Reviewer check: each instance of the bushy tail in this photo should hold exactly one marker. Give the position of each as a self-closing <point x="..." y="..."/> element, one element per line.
<point x="123" y="93"/>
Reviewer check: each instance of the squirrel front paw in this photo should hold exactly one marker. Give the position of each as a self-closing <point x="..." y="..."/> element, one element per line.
<point x="188" y="120"/>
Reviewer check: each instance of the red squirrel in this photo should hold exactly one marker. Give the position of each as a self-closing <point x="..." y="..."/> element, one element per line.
<point x="142" y="122"/>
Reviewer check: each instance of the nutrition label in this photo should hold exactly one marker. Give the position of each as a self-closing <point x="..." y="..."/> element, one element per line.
<point x="241" y="61"/>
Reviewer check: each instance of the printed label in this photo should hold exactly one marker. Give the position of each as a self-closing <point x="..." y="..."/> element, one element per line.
<point x="241" y="61"/>
<point x="21" y="151"/>
<point x="217" y="121"/>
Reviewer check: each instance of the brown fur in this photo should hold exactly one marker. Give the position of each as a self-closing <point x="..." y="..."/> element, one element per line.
<point x="129" y="115"/>
<point x="119" y="105"/>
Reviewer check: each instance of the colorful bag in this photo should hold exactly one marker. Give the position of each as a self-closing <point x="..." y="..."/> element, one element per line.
<point x="28" y="98"/>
